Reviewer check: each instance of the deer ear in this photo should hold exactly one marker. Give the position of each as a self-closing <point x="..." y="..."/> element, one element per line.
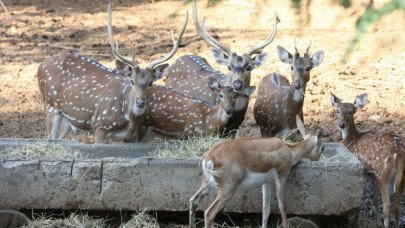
<point x="284" y="55"/>
<point x="160" y="71"/>
<point x="219" y="56"/>
<point x="249" y="90"/>
<point x="213" y="84"/>
<point x="320" y="133"/>
<point x="300" y="126"/>
<point x="360" y="101"/>
<point x="260" y="59"/>
<point x="335" y="100"/>
<point x="317" y="58"/>
<point x="123" y="68"/>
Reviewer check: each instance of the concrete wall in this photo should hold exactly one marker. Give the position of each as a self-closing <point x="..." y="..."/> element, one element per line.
<point x="167" y="184"/>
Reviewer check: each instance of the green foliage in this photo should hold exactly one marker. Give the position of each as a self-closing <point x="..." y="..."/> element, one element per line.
<point x="370" y="17"/>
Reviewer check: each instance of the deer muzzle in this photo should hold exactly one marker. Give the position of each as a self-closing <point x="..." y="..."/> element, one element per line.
<point x="238" y="85"/>
<point x="342" y="125"/>
<point x="297" y="85"/>
<point x="228" y="110"/>
<point x="140" y="102"/>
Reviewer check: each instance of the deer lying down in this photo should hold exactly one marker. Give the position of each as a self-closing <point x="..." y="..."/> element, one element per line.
<point x="80" y="94"/>
<point x="175" y="115"/>
<point x="248" y="163"/>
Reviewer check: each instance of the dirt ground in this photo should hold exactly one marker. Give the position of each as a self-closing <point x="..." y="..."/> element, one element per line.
<point x="39" y="29"/>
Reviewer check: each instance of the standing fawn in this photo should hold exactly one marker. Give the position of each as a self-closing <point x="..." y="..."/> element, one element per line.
<point x="175" y="115"/>
<point x="81" y="94"/>
<point x="189" y="73"/>
<point x="278" y="102"/>
<point x="248" y="163"/>
<point x="381" y="153"/>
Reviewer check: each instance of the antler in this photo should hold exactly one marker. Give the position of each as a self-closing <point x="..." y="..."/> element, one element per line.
<point x="175" y="46"/>
<point x="202" y="31"/>
<point x="309" y="45"/>
<point x="295" y="46"/>
<point x="131" y="62"/>
<point x="259" y="49"/>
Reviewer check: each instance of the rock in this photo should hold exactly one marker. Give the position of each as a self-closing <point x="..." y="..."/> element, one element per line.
<point x="301" y="223"/>
<point x="375" y="117"/>
<point x="12" y="219"/>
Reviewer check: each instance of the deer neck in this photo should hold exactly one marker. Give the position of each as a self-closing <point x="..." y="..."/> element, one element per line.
<point x="302" y="149"/>
<point x="350" y="136"/>
<point x="294" y="100"/>
<point x="217" y="118"/>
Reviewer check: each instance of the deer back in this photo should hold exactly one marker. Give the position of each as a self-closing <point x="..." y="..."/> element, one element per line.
<point x="88" y="94"/>
<point x="189" y="74"/>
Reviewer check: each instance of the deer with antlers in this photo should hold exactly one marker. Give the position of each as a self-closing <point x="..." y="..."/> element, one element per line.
<point x="248" y="163"/>
<point x="381" y="153"/>
<point x="277" y="101"/>
<point x="175" y="115"/>
<point x="81" y="94"/>
<point x="189" y="73"/>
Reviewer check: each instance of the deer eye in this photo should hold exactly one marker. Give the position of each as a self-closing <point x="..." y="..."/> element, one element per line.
<point x="220" y="95"/>
<point x="351" y="112"/>
<point x="150" y="83"/>
<point x="132" y="81"/>
<point x="337" y="110"/>
<point x="236" y="96"/>
<point x="249" y="68"/>
<point x="308" y="68"/>
<point x="292" y="68"/>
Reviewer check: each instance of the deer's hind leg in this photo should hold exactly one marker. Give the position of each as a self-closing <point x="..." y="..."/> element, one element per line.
<point x="204" y="189"/>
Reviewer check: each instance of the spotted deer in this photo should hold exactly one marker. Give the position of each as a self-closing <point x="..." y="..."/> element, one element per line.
<point x="248" y="163"/>
<point x="175" y="115"/>
<point x="189" y="73"/>
<point x="277" y="101"/>
<point x="81" y="94"/>
<point x="381" y="153"/>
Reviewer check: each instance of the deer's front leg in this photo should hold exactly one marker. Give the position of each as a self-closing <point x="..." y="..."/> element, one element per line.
<point x="101" y="136"/>
<point x="266" y="192"/>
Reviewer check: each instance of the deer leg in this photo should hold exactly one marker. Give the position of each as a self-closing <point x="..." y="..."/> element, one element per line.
<point x="223" y="197"/>
<point x="382" y="185"/>
<point x="280" y="185"/>
<point x="376" y="201"/>
<point x="101" y="136"/>
<point x="65" y="128"/>
<point x="53" y="124"/>
<point x="266" y="191"/>
<point x="204" y="189"/>
<point x="397" y="207"/>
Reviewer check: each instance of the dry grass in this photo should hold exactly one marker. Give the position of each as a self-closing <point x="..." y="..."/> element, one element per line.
<point x="73" y="221"/>
<point x="194" y="147"/>
<point x="42" y="148"/>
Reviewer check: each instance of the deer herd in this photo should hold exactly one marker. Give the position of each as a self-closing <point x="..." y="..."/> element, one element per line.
<point x="80" y="94"/>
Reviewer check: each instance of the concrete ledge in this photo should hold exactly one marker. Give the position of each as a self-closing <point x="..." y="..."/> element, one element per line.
<point x="91" y="151"/>
<point x="167" y="184"/>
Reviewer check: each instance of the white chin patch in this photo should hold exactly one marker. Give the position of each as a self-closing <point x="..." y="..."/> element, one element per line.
<point x="224" y="118"/>
<point x="298" y="95"/>
<point x="139" y="111"/>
